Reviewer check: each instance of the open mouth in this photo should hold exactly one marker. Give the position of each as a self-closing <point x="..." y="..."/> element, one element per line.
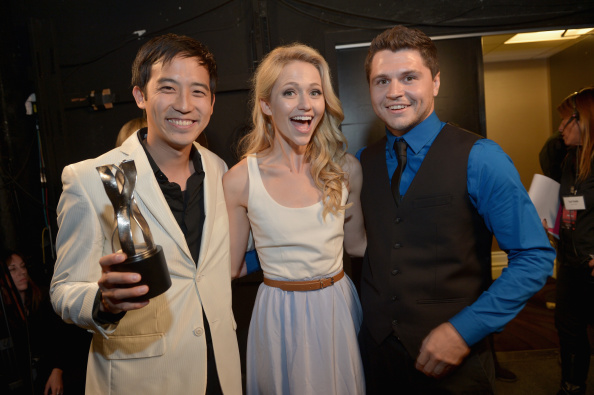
<point x="302" y="122"/>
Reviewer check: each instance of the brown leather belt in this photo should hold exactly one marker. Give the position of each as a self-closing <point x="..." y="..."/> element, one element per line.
<point x="304" y="285"/>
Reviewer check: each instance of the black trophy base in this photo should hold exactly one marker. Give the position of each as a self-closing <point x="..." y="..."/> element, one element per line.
<point x="153" y="271"/>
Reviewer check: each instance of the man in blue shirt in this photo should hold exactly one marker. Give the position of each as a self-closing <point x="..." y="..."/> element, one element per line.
<point x="433" y="196"/>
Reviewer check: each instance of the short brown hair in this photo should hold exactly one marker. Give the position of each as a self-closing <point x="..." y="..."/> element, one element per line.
<point x="166" y="47"/>
<point x="401" y="37"/>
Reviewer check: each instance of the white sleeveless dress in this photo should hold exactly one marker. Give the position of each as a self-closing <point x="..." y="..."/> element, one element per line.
<point x="301" y="342"/>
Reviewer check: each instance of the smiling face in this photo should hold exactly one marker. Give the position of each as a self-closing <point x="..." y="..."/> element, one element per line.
<point x="402" y="89"/>
<point x="178" y="102"/>
<point x="18" y="272"/>
<point x="296" y="103"/>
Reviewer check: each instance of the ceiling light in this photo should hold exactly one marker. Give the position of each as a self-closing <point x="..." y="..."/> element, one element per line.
<point x="550" y="35"/>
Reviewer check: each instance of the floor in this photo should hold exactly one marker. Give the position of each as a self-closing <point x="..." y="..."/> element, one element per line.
<point x="538" y="372"/>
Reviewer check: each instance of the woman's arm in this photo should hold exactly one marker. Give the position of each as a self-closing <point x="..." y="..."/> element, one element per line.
<point x="355" y="238"/>
<point x="235" y="185"/>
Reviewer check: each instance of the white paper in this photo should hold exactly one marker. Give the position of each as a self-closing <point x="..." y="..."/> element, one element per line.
<point x="544" y="193"/>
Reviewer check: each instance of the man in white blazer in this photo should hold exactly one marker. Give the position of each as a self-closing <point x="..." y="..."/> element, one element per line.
<point x="182" y="341"/>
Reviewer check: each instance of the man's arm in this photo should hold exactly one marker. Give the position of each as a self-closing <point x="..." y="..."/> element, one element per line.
<point x="355" y="238"/>
<point x="500" y="198"/>
<point x="78" y="275"/>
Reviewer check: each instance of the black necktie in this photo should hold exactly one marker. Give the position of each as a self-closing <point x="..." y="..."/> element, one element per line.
<point x="400" y="149"/>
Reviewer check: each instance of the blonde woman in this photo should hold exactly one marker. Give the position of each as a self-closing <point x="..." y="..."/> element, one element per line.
<point x="298" y="192"/>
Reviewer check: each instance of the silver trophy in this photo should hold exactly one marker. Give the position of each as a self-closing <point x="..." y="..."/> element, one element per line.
<point x="146" y="258"/>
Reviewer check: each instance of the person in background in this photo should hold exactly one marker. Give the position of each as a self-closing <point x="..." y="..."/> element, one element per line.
<point x="574" y="308"/>
<point x="298" y="191"/>
<point x="433" y="196"/>
<point x="130" y="127"/>
<point x="182" y="341"/>
<point x="551" y="156"/>
<point x="47" y="347"/>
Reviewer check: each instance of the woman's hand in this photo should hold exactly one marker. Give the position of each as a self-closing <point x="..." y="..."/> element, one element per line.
<point x="54" y="385"/>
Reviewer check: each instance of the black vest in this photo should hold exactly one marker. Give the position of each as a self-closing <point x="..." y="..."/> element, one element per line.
<point x="429" y="257"/>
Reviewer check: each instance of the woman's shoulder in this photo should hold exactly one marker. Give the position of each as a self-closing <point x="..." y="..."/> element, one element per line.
<point x="236" y="176"/>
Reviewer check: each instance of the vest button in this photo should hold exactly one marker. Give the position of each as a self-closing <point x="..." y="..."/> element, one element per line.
<point x="398" y="220"/>
<point x="395" y="272"/>
<point x="394" y="322"/>
<point x="397" y="245"/>
<point x="394" y="298"/>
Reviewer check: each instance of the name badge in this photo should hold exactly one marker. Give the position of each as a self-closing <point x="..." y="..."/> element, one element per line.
<point x="574" y="203"/>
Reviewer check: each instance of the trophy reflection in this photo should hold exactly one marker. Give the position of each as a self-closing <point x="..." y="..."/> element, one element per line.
<point x="144" y="258"/>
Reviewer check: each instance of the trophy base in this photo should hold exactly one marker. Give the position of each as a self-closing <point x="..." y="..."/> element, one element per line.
<point x="153" y="271"/>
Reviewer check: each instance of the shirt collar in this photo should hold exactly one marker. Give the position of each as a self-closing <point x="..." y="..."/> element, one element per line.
<point x="194" y="156"/>
<point x="419" y="136"/>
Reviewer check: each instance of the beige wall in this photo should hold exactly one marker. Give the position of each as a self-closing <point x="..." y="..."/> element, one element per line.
<point x="518" y="103"/>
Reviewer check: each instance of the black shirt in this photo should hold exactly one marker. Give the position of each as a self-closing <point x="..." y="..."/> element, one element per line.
<point x="186" y="206"/>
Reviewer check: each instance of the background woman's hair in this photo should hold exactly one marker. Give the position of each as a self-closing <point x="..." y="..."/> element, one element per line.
<point x="580" y="105"/>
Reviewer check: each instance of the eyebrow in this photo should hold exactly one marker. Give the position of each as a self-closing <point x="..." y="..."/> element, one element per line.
<point x="172" y="81"/>
<point x="295" y="83"/>
<point x="375" y="77"/>
<point x="398" y="74"/>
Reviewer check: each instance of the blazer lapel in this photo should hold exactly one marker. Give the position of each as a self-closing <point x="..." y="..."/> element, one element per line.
<point x="148" y="193"/>
<point x="210" y="200"/>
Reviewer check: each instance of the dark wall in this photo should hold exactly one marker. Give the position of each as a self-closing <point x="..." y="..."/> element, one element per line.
<point x="64" y="49"/>
<point x="23" y="211"/>
<point x="571" y="70"/>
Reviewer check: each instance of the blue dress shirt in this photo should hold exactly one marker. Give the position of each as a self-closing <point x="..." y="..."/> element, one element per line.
<point x="495" y="190"/>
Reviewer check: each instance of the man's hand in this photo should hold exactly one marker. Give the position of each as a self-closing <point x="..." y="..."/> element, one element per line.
<point x="113" y="295"/>
<point x="442" y="350"/>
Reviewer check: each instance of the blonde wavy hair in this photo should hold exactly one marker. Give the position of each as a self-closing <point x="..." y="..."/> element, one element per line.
<point x="326" y="150"/>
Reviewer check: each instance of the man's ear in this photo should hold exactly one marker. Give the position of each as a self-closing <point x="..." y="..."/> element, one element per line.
<point x="436" y="84"/>
<point x="139" y="97"/>
<point x="212" y="104"/>
<point x="265" y="107"/>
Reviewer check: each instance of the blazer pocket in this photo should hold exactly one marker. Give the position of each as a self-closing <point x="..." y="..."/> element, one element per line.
<point x="131" y="347"/>
<point x="433" y="201"/>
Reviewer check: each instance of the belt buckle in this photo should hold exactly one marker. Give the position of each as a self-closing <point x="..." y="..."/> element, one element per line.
<point x="322" y="286"/>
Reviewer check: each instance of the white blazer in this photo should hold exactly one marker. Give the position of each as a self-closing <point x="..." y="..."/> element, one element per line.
<point x="161" y="348"/>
